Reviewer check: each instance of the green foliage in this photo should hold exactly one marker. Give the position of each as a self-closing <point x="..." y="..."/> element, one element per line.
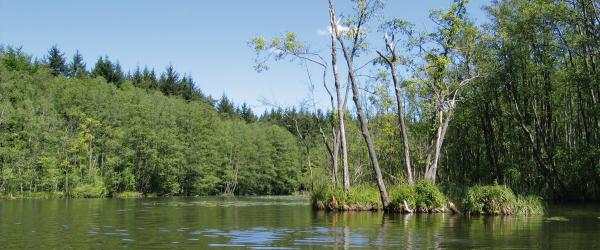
<point x="128" y="194"/>
<point x="359" y="197"/>
<point x="528" y="205"/>
<point x="424" y="195"/>
<point x="56" y="62"/>
<point x="110" y="71"/>
<point x="401" y="193"/>
<point x="96" y="190"/>
<point x="91" y="138"/>
<point x="325" y="193"/>
<point x="492" y="199"/>
<point x="428" y="195"/>
<point x="363" y="195"/>
<point x="499" y="199"/>
<point x="77" y="67"/>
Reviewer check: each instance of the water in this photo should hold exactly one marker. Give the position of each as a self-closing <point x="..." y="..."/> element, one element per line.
<point x="276" y="223"/>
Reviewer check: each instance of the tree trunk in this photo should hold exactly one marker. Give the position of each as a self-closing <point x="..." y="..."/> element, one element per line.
<point x="400" y="109"/>
<point x="363" y="121"/>
<point x="340" y="100"/>
<point x="335" y="158"/>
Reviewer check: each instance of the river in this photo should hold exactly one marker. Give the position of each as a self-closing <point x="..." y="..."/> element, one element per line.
<point x="276" y="223"/>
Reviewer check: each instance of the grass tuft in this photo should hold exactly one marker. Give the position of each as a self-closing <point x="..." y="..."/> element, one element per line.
<point x="128" y="194"/>
<point x="424" y="197"/>
<point x="499" y="199"/>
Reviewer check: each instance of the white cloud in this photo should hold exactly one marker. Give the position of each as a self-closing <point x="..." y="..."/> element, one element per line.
<point x="324" y="32"/>
<point x="327" y="31"/>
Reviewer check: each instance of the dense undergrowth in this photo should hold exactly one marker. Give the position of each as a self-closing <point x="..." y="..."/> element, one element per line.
<point x="426" y="197"/>
<point x="499" y="199"/>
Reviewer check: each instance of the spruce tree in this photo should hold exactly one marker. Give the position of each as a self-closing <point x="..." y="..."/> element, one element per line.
<point x="169" y="81"/>
<point x="56" y="61"/>
<point x="225" y="106"/>
<point x="77" y="67"/>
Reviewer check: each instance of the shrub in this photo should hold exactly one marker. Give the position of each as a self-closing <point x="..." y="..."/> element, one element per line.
<point x="424" y="196"/>
<point x="491" y="199"/>
<point x="429" y="196"/>
<point x="96" y="190"/>
<point x="399" y="194"/>
<point x="359" y="197"/>
<point x="364" y="195"/>
<point x="325" y="194"/>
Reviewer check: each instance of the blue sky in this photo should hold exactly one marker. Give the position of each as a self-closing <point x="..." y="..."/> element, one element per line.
<point x="206" y="39"/>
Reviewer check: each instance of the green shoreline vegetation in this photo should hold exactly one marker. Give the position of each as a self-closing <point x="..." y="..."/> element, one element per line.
<point x="465" y="117"/>
<point x="87" y="137"/>
<point x="426" y="197"/>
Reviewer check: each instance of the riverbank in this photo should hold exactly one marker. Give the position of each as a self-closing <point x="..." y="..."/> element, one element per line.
<point x="426" y="197"/>
<point x="60" y="195"/>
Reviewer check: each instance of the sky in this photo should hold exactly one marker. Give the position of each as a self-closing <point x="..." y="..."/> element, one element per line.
<point x="207" y="39"/>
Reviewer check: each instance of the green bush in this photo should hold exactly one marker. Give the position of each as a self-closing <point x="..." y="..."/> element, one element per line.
<point x="325" y="193"/>
<point x="401" y="193"/>
<point x="491" y="199"/>
<point x="423" y="196"/>
<point x="364" y="195"/>
<point x="429" y="196"/>
<point x="359" y="197"/>
<point x="96" y="190"/>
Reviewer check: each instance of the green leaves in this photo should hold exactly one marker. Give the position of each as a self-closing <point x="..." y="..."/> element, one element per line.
<point x="91" y="138"/>
<point x="286" y="46"/>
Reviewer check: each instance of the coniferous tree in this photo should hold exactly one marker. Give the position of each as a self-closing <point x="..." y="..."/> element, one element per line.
<point x="111" y="72"/>
<point x="103" y="68"/>
<point x="118" y="76"/>
<point x="77" y="67"/>
<point x="169" y="80"/>
<point x="185" y="88"/>
<point x="246" y="113"/>
<point x="149" y="78"/>
<point x="137" y="78"/>
<point x="56" y="61"/>
<point x="225" y="106"/>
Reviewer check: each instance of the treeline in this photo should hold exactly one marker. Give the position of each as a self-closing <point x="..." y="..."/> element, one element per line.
<point x="99" y="132"/>
<point x="514" y="101"/>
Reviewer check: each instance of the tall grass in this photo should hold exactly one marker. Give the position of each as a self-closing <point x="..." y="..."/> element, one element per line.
<point x="499" y="199"/>
<point x="424" y="196"/>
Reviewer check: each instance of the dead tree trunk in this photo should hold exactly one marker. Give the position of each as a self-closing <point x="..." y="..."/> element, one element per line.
<point x="361" y="114"/>
<point x="340" y="100"/>
<point x="391" y="62"/>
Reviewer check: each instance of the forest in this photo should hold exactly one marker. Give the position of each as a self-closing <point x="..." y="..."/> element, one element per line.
<point x="513" y="101"/>
<point x="98" y="133"/>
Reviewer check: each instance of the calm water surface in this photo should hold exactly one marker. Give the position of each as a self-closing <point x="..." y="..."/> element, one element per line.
<point x="275" y="223"/>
